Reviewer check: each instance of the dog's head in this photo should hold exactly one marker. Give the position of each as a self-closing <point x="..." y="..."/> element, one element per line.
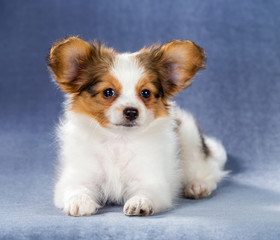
<point x="123" y="90"/>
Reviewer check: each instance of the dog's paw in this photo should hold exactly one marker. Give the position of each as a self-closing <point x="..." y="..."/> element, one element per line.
<point x="138" y="206"/>
<point x="198" y="190"/>
<point x="80" y="205"/>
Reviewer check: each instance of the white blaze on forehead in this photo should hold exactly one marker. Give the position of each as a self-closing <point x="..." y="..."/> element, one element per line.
<point x="128" y="71"/>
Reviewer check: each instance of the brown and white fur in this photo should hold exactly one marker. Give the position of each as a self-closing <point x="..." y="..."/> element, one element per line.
<point x="121" y="139"/>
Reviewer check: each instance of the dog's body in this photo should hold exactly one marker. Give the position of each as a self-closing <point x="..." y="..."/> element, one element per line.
<point x="121" y="139"/>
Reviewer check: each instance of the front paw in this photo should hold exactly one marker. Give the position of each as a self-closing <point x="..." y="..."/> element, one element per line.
<point x="138" y="206"/>
<point x="80" y="205"/>
<point x="199" y="190"/>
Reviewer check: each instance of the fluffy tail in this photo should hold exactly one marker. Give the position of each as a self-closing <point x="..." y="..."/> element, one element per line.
<point x="217" y="154"/>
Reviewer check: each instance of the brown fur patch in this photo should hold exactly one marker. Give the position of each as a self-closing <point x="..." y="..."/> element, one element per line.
<point x="205" y="149"/>
<point x="96" y="106"/>
<point x="155" y="102"/>
<point x="82" y="69"/>
<point x="76" y="63"/>
<point x="175" y="64"/>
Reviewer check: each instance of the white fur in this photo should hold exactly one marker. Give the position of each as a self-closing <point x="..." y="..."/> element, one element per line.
<point x="113" y="167"/>
<point x="145" y="168"/>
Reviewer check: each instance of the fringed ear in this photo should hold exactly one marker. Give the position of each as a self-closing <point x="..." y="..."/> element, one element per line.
<point x="175" y="62"/>
<point x="182" y="60"/>
<point x="67" y="60"/>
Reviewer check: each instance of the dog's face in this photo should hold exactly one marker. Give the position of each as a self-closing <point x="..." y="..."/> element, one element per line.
<point x="123" y="91"/>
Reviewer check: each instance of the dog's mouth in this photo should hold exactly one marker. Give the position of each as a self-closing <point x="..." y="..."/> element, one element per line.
<point x="127" y="124"/>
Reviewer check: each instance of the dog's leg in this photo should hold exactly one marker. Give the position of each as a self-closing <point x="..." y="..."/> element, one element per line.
<point x="154" y="177"/>
<point x="138" y="206"/>
<point x="75" y="193"/>
<point x="203" y="158"/>
<point x="149" y="200"/>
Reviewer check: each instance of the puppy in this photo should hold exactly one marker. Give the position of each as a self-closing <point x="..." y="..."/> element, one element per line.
<point x="121" y="139"/>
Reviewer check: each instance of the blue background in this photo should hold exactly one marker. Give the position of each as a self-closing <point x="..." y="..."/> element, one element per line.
<point x="236" y="99"/>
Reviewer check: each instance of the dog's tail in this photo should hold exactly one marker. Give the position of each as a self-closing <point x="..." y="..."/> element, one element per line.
<point x="217" y="154"/>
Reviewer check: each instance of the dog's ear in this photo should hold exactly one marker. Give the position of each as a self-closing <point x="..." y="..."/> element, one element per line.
<point x="182" y="60"/>
<point x="176" y="63"/>
<point x="67" y="59"/>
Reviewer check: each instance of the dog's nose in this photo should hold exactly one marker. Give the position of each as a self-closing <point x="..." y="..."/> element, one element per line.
<point x="130" y="113"/>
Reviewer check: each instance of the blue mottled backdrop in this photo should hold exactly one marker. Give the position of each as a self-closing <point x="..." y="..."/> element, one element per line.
<point x="236" y="99"/>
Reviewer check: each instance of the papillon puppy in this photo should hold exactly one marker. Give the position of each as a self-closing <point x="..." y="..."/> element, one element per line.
<point x="122" y="140"/>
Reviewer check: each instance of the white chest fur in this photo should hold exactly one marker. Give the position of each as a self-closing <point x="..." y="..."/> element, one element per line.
<point x="119" y="164"/>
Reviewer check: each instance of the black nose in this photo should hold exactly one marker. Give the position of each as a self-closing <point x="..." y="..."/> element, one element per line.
<point x="130" y="113"/>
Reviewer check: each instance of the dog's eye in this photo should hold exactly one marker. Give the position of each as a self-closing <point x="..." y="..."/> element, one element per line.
<point x="109" y="93"/>
<point x="145" y="93"/>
